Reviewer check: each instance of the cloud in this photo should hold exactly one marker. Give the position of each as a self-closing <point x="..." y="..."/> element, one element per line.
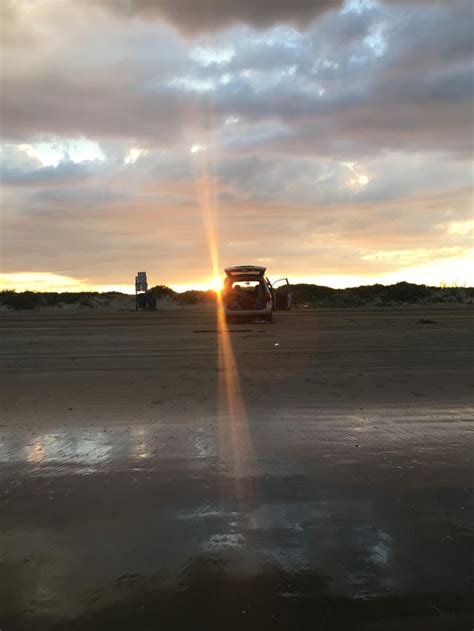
<point x="49" y="164"/>
<point x="300" y="213"/>
<point x="329" y="90"/>
<point x="46" y="176"/>
<point x="192" y="17"/>
<point x="207" y="15"/>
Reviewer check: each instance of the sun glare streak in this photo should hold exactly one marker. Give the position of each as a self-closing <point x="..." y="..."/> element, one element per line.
<point x="235" y="445"/>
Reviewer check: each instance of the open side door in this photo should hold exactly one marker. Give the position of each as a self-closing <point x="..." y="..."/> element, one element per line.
<point x="282" y="295"/>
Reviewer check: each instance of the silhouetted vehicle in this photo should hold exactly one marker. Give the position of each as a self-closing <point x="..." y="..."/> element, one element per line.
<point x="248" y="293"/>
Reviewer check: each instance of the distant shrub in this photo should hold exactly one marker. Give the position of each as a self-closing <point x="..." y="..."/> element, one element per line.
<point x="303" y="292"/>
<point x="366" y="292"/>
<point x="162" y="291"/>
<point x="348" y="298"/>
<point x="51" y="299"/>
<point x="404" y="292"/>
<point x="196" y="297"/>
<point x="399" y="293"/>
<point x="24" y="300"/>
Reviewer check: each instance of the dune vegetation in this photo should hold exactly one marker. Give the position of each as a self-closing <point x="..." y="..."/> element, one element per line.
<point x="304" y="295"/>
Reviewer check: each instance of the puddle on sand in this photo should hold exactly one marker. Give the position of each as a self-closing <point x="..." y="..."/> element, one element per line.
<point x="86" y="450"/>
<point x="336" y="436"/>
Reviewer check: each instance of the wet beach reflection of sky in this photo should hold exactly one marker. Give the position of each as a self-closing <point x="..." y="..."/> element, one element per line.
<point x="345" y="497"/>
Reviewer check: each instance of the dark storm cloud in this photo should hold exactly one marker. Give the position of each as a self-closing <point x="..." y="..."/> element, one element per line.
<point x="94" y="109"/>
<point x="415" y="93"/>
<point x="195" y="16"/>
<point x="330" y="90"/>
<point x="192" y="16"/>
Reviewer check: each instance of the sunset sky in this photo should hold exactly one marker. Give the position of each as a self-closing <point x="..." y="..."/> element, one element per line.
<point x="328" y="140"/>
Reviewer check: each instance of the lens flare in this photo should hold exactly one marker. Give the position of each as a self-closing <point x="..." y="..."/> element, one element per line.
<point x="234" y="440"/>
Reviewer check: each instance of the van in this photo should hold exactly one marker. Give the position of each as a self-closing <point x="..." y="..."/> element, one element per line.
<point x="248" y="292"/>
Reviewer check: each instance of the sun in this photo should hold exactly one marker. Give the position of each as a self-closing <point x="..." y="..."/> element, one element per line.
<point x="216" y="285"/>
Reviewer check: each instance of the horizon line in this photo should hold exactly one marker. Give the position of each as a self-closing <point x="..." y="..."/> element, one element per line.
<point x="183" y="289"/>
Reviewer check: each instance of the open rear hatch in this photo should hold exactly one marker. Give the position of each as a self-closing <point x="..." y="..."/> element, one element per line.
<point x="245" y="288"/>
<point x="251" y="272"/>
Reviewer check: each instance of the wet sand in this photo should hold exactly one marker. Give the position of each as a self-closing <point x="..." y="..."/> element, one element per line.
<point x="314" y="473"/>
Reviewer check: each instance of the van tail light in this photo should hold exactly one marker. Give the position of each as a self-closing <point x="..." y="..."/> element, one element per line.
<point x="269" y="298"/>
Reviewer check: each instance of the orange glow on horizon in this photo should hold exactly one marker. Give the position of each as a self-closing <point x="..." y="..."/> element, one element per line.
<point x="449" y="270"/>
